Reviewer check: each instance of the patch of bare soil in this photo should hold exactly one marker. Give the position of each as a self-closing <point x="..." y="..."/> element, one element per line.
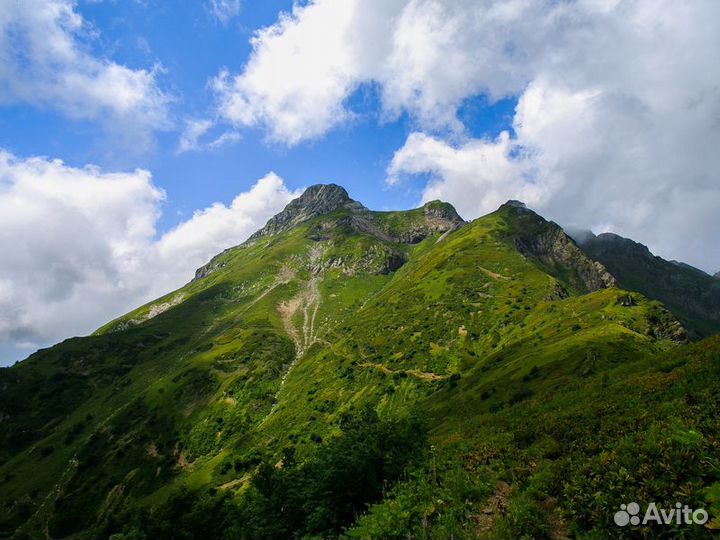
<point x="495" y="507"/>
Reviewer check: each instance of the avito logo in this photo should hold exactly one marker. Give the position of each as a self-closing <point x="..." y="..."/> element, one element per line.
<point x="629" y="514"/>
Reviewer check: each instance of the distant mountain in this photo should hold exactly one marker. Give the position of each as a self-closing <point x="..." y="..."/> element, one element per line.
<point x="691" y="294"/>
<point x="361" y="374"/>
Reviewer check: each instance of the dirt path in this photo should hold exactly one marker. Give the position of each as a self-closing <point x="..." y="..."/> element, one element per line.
<point x="494" y="507"/>
<point x="493" y="275"/>
<point x="424" y="375"/>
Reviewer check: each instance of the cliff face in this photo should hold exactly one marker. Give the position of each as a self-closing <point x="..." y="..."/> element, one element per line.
<point x="555" y="248"/>
<point x="546" y="242"/>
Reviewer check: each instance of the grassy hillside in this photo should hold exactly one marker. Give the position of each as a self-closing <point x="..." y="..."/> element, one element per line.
<point x="370" y="375"/>
<point x="692" y="295"/>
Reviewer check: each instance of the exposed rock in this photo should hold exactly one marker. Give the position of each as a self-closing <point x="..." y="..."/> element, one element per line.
<point x="324" y="199"/>
<point x="627" y="300"/>
<point x="315" y="201"/>
<point x="153" y="311"/>
<point x="663" y="325"/>
<point x="558" y="293"/>
<point x="554" y="247"/>
<point x="440" y="217"/>
<point x="547" y="242"/>
<point x="209" y="268"/>
<point x="516" y="204"/>
<point x="343" y="215"/>
<point x="442" y="211"/>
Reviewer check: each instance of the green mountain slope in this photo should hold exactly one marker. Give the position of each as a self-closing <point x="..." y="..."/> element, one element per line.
<point x="691" y="294"/>
<point x="367" y="374"/>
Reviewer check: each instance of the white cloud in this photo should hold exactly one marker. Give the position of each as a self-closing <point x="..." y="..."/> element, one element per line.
<point x="618" y="121"/>
<point x="298" y="75"/>
<point x="218" y="227"/>
<point x="426" y="57"/>
<point x="80" y="245"/>
<point x="45" y="61"/>
<point x="196" y="129"/>
<point x="225" y="10"/>
<point x="484" y="167"/>
<point x="228" y="137"/>
<point x="614" y="131"/>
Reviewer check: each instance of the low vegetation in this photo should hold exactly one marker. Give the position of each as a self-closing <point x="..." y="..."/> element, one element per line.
<point x="369" y="375"/>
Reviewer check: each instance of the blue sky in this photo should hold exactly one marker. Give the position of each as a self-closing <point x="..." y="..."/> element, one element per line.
<point x="192" y="46"/>
<point x="598" y="114"/>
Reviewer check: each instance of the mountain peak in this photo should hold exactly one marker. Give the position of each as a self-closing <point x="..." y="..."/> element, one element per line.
<point x="322" y="199"/>
<point x="324" y="192"/>
<point x="717" y="275"/>
<point x="515" y="204"/>
<point x="441" y="209"/>
<point x="316" y="200"/>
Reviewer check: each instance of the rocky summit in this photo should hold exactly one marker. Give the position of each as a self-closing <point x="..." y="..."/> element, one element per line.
<point x="349" y="373"/>
<point x="316" y="200"/>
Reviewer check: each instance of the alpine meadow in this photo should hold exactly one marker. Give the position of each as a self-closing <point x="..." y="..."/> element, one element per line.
<point x="364" y="374"/>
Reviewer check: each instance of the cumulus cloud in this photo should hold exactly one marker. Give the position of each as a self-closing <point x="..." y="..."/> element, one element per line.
<point x="196" y="129"/>
<point x="484" y="166"/>
<point x="80" y="245"/>
<point x="614" y="131"/>
<point x="426" y="57"/>
<point x="218" y="227"/>
<point x="298" y="75"/>
<point x="225" y="10"/>
<point x="617" y="122"/>
<point x="45" y="61"/>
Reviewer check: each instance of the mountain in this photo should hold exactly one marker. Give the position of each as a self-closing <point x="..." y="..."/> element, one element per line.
<point x="347" y="372"/>
<point x="691" y="294"/>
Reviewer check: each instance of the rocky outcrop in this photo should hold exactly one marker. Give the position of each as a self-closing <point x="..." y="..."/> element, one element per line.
<point x="342" y="215"/>
<point x="663" y="325"/>
<point x="315" y="201"/>
<point x="555" y="249"/>
<point x="546" y="242"/>
<point x="377" y="260"/>
<point x="441" y="217"/>
<point x="207" y="269"/>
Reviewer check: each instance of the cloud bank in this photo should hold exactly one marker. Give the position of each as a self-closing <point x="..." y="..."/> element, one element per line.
<point x="80" y="245"/>
<point x="618" y="115"/>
